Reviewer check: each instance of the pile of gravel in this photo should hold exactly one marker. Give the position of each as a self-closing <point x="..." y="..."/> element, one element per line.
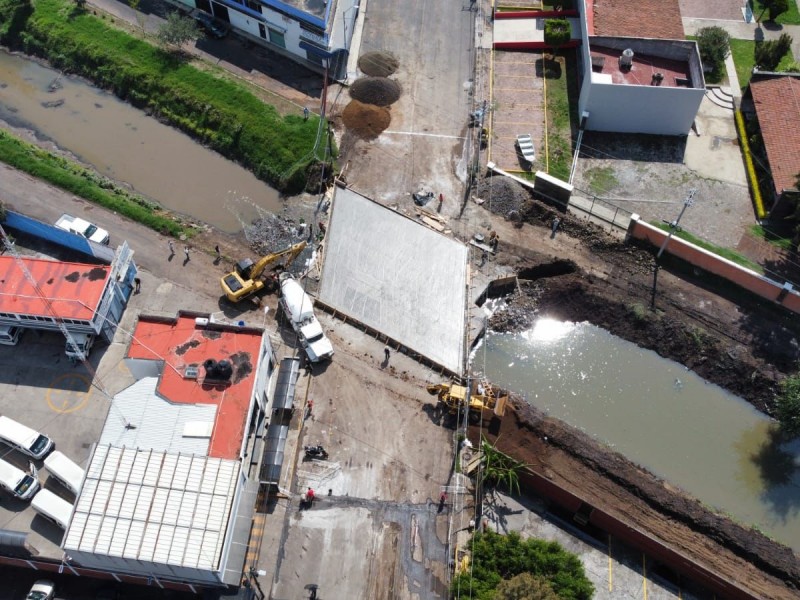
<point x="272" y="233"/>
<point x="366" y="121"/>
<point x="379" y="91"/>
<point x="378" y="64"/>
<point x="502" y="195"/>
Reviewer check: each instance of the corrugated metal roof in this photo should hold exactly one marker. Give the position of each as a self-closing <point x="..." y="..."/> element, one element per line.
<point x="73" y="290"/>
<point x="154" y="506"/>
<point x="157" y="423"/>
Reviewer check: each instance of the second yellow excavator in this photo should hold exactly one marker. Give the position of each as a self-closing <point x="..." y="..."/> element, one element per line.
<point x="245" y="280"/>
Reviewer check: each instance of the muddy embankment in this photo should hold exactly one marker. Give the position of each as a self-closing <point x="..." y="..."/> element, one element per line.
<point x="737" y="342"/>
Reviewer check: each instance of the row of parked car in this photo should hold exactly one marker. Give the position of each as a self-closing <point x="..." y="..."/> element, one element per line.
<point x="25" y="486"/>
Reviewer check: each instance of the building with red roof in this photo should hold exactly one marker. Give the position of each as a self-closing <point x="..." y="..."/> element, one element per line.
<point x="38" y="293"/>
<point x="170" y="490"/>
<point x="640" y="74"/>
<point x="776" y="106"/>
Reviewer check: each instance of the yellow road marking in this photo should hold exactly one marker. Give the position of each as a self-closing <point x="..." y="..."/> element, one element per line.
<point x="644" y="575"/>
<point x="610" y="568"/>
<point x="73" y="399"/>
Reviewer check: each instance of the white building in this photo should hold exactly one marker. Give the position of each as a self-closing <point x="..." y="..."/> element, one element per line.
<point x="316" y="33"/>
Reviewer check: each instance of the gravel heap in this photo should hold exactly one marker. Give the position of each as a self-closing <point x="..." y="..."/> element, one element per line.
<point x="272" y="233"/>
<point x="378" y="64"/>
<point x="366" y="121"/>
<point x="376" y="90"/>
<point x="502" y="195"/>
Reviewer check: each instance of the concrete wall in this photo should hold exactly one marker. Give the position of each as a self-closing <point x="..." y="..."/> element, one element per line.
<point x="745" y="278"/>
<point x="585" y="60"/>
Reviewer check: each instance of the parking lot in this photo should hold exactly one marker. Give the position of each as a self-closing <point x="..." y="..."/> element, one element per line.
<point x="517" y="108"/>
<point x="40" y="388"/>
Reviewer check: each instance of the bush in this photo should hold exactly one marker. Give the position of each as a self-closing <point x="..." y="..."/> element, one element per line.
<point x="498" y="557"/>
<point x="769" y="53"/>
<point x="789" y="405"/>
<point x="713" y="44"/>
<point x="557" y="32"/>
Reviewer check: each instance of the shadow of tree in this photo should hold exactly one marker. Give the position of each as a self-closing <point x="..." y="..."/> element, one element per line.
<point x="549" y="68"/>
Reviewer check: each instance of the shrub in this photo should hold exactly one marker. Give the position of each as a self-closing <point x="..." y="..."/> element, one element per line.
<point x="497" y="557"/>
<point x="789" y="405"/>
<point x="713" y="44"/>
<point x="769" y="53"/>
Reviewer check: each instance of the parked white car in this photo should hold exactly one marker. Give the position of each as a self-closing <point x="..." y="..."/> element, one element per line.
<point x="88" y="230"/>
<point x="42" y="590"/>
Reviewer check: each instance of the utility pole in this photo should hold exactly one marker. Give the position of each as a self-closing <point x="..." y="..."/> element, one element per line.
<point x="673" y="227"/>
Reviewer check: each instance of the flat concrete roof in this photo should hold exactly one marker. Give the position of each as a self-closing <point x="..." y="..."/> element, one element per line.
<point x="396" y="276"/>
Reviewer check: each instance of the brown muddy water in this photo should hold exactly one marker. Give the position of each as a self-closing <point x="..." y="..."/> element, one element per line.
<point x="655" y="412"/>
<point x="126" y="145"/>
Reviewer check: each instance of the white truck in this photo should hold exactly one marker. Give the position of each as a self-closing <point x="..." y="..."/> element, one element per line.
<point x="299" y="309"/>
<point x="65" y="471"/>
<point x="88" y="230"/>
<point x="82" y="347"/>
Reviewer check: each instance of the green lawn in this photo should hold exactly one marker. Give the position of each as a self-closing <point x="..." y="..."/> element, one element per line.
<point x="742" y="52"/>
<point x="561" y="81"/>
<point x="790" y="17"/>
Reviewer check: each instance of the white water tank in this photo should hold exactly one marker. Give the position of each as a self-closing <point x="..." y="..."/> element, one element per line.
<point x="626" y="60"/>
<point x="201" y="322"/>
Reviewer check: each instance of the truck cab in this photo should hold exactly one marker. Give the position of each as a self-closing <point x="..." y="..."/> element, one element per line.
<point x="82" y="347"/>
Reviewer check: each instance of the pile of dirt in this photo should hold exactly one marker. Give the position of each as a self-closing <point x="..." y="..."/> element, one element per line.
<point x="379" y="91"/>
<point x="366" y="121"/>
<point x="378" y="64"/>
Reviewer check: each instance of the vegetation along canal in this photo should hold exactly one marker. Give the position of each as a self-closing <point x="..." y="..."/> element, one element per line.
<point x="126" y="145"/>
<point x="713" y="445"/>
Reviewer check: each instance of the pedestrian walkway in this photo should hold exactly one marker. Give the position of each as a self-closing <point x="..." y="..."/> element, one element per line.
<point x="739" y="30"/>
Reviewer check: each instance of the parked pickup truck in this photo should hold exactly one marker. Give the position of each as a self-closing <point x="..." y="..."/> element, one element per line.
<point x="299" y="309"/>
<point x="88" y="230"/>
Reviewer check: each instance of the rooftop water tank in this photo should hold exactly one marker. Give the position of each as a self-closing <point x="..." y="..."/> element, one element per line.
<point x="626" y="60"/>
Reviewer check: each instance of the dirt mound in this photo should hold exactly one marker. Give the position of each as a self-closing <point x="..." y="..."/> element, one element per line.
<point x="378" y="64"/>
<point x="502" y="195"/>
<point x="366" y="121"/>
<point x="376" y="90"/>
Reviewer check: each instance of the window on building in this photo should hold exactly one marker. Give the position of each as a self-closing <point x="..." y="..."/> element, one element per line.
<point x="314" y="58"/>
<point x="256" y="6"/>
<point x="277" y="38"/>
<point x="262" y="30"/>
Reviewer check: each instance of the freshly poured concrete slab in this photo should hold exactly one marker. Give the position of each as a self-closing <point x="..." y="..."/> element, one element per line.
<point x="396" y="276"/>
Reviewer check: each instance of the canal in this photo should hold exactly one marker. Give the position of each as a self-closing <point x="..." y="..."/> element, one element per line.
<point x="655" y="412"/>
<point x="126" y="145"/>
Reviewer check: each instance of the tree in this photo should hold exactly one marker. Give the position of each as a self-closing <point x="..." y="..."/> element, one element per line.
<point x="788" y="405"/>
<point x="525" y="587"/>
<point x="497" y="557"/>
<point x="177" y="30"/>
<point x="500" y="468"/>
<point x="769" y="53"/>
<point x="714" y="45"/>
<point x="557" y="33"/>
<point x="776" y="8"/>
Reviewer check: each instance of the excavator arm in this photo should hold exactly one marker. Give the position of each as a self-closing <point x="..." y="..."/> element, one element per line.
<point x="245" y="280"/>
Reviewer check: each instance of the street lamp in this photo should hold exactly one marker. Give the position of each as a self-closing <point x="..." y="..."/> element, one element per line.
<point x="673" y="227"/>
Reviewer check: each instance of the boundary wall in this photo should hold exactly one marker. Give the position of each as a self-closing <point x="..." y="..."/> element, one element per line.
<point x="780" y="293"/>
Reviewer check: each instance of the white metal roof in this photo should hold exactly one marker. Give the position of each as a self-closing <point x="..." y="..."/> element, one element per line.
<point x="140" y="418"/>
<point x="154" y="506"/>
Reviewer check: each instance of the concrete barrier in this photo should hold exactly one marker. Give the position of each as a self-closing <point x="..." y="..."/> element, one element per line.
<point x="778" y="292"/>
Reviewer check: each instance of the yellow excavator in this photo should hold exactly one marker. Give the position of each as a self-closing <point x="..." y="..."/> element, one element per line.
<point x="484" y="396"/>
<point x="245" y="280"/>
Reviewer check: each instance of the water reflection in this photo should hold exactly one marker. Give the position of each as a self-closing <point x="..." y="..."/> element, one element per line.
<point x="657" y="413"/>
